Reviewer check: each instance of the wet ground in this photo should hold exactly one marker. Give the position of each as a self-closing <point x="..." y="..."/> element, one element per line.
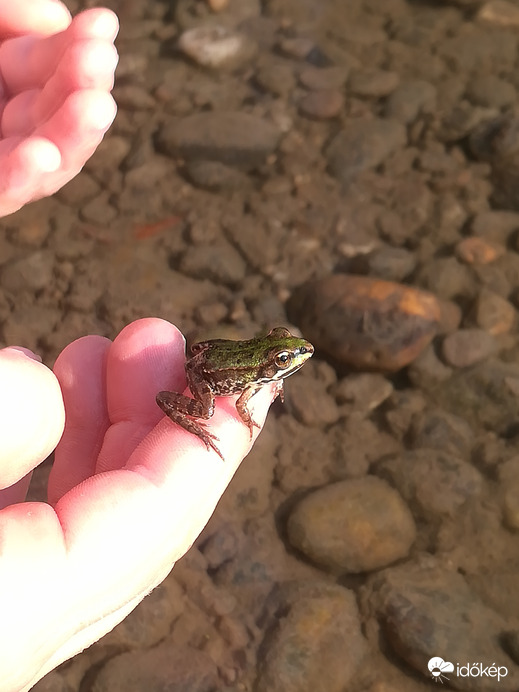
<point x="374" y="525"/>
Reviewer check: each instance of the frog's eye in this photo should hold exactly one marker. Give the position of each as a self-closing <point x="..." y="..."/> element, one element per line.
<point x="283" y="359"/>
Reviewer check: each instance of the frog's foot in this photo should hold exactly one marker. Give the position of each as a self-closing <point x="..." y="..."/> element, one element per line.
<point x="209" y="440"/>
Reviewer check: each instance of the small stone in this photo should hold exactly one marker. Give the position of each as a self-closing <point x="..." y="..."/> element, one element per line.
<point x="391" y="263"/>
<point x="79" y="190"/>
<point x="316" y="645"/>
<point x="276" y="77"/>
<point x="316" y="78"/>
<point x="373" y="83"/>
<point x="99" y="210"/>
<point x="221" y="263"/>
<point x="134" y="98"/>
<point x="410" y="99"/>
<point x="491" y="91"/>
<point x="218" y="5"/>
<point x="428" y="368"/>
<point x="233" y="138"/>
<point x="467" y="347"/>
<point x="434" y="482"/>
<point x="474" y="250"/>
<point x="30" y="273"/>
<point x="166" y="666"/>
<point x="322" y="105"/>
<point x="380" y="528"/>
<point x="221" y="546"/>
<point x="216" y="176"/>
<point x="495" y="226"/>
<point x="494" y="314"/>
<point x="298" y="47"/>
<point x="311" y="403"/>
<point x="366" y="391"/>
<point x="499" y="13"/>
<point x="216" y="47"/>
<point x="438" y="429"/>
<point x="447" y="278"/>
<point x="363" y="144"/>
<point x="450" y="316"/>
<point x="511" y="506"/>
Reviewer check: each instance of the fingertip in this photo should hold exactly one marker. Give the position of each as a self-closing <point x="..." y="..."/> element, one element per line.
<point x="98" y="23"/>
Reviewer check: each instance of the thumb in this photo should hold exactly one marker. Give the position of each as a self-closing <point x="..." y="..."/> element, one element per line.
<point x="32" y="415"/>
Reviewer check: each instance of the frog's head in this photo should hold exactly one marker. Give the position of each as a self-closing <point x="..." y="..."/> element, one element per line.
<point x="284" y="354"/>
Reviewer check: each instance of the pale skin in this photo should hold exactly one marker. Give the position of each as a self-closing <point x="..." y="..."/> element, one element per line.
<point x="129" y="491"/>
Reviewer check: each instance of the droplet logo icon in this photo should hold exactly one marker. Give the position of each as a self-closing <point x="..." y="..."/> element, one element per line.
<point x="438" y="667"/>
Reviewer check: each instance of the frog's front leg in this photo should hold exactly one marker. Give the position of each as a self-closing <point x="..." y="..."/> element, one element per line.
<point x="246" y="396"/>
<point x="181" y="409"/>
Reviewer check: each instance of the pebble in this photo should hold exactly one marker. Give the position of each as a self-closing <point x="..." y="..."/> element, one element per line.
<point x="435" y="483"/>
<point x="494" y="314"/>
<point x="79" y="190"/>
<point x="474" y="250"/>
<point x="438" y="429"/>
<point x="218" y="5"/>
<point x="491" y="91"/>
<point x="322" y="105"/>
<point x="450" y="317"/>
<point x="99" y="210"/>
<point x="447" y="278"/>
<point x="28" y="325"/>
<point x="391" y="263"/>
<point x="365" y="391"/>
<point x="373" y="83"/>
<point x="483" y="395"/>
<point x="296" y="47"/>
<point x="276" y="77"/>
<point x="222" y="545"/>
<point x="427" y="369"/>
<point x="366" y="322"/>
<point x="429" y="609"/>
<point x="466" y="347"/>
<point x="499" y="13"/>
<point x="216" y="47"/>
<point x="409" y="99"/>
<point x="149" y="623"/>
<point x="495" y="226"/>
<point x="511" y="507"/>
<point x="311" y="403"/>
<point x="317" y="645"/>
<point x="380" y="528"/>
<point x="33" y="272"/>
<point x="316" y="78"/>
<point x="363" y="144"/>
<point x="221" y="263"/>
<point x="134" y="98"/>
<point x="216" y="176"/>
<point x="233" y="138"/>
<point x="188" y="15"/>
<point x="166" y="666"/>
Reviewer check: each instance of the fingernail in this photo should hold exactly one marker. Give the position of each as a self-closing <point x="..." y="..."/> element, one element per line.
<point x="25" y="351"/>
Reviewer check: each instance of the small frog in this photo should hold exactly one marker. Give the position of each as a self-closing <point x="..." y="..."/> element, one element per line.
<point x="221" y="367"/>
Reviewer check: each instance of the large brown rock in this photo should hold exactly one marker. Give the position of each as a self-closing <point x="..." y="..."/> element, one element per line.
<point x="365" y="322"/>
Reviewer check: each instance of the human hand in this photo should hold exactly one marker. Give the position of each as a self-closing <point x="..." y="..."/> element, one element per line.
<point x="55" y="106"/>
<point x="129" y="490"/>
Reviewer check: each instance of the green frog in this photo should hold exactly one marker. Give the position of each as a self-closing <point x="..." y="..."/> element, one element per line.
<point x="222" y="367"/>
